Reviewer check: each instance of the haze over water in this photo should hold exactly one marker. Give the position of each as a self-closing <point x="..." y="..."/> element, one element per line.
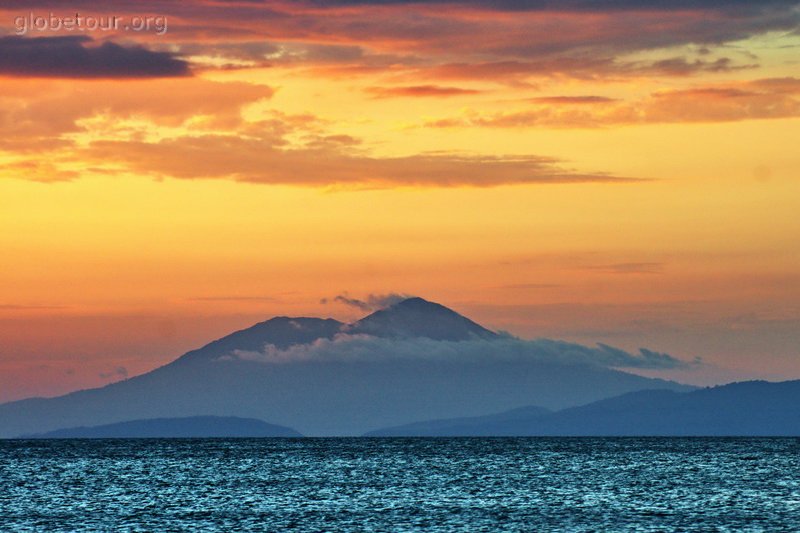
<point x="478" y="484"/>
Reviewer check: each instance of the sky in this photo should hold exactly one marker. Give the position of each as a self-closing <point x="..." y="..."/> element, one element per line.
<point x="622" y="172"/>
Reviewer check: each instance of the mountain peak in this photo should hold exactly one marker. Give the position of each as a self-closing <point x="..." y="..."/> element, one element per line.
<point x="417" y="317"/>
<point x="412" y="317"/>
<point x="279" y="331"/>
<point x="418" y="303"/>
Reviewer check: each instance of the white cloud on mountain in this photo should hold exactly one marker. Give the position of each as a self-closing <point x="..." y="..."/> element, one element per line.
<point x="363" y="348"/>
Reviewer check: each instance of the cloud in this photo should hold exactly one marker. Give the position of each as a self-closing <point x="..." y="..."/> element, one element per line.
<point x="70" y="57"/>
<point x="589" y="39"/>
<point x="262" y="54"/>
<point x="266" y="161"/>
<point x="768" y="98"/>
<point x="39" y="115"/>
<point x="573" y="5"/>
<point x="583" y="66"/>
<point x="365" y="348"/>
<point x="757" y="99"/>
<point x="584" y="38"/>
<point x="680" y="66"/>
<point x="116" y="131"/>
<point x="373" y="302"/>
<point x="419" y="91"/>
<point x="36" y="170"/>
<point x="572" y="100"/>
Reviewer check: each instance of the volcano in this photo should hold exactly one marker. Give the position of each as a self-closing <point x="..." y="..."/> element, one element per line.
<point x="415" y="360"/>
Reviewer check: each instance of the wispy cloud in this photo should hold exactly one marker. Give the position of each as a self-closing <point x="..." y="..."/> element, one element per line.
<point x="118" y="372"/>
<point x="417" y="91"/>
<point x="372" y="302"/>
<point x="265" y="161"/>
<point x="232" y="299"/>
<point x="768" y="98"/>
<point x="572" y="100"/>
<point x="629" y="268"/>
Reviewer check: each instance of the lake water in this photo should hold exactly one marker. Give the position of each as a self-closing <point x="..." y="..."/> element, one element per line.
<point x="481" y="484"/>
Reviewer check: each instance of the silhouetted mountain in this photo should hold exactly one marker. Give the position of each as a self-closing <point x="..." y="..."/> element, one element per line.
<point x="188" y="427"/>
<point x="752" y="408"/>
<point x="412" y="361"/>
<point x="416" y="317"/>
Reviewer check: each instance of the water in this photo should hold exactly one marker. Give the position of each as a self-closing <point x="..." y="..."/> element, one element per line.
<point x="482" y="484"/>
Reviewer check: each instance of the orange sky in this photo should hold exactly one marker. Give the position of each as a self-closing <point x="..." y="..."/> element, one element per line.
<point x="626" y="175"/>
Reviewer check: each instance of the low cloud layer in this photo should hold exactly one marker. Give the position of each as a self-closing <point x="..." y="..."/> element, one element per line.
<point x="364" y="348"/>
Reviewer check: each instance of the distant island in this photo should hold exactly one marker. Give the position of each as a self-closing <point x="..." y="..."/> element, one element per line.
<point x="752" y="408"/>
<point x="186" y="427"/>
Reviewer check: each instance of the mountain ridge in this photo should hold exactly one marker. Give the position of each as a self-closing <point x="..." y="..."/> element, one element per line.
<point x="185" y="427"/>
<point x="747" y="408"/>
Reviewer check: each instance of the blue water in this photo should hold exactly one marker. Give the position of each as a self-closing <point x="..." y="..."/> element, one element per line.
<point x="570" y="484"/>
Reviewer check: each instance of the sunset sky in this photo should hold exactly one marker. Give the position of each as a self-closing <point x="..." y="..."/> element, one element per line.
<point x="613" y="171"/>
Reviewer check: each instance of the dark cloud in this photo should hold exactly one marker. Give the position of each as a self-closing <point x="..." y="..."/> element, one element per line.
<point x="502" y="5"/>
<point x="581" y="29"/>
<point x="78" y="57"/>
<point x="573" y="5"/>
<point x="582" y="38"/>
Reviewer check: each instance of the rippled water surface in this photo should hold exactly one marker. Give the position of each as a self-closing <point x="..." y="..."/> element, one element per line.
<point x="481" y="484"/>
